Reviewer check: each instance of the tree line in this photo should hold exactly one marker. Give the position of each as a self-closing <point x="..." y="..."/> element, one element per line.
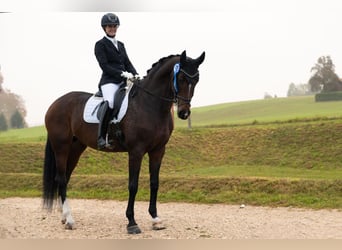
<point x="12" y="109"/>
<point x="323" y="79"/>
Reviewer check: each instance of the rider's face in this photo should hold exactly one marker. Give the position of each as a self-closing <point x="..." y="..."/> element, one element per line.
<point x="111" y="30"/>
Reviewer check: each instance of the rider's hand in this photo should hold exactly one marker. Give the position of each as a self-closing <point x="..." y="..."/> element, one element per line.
<point x="126" y="74"/>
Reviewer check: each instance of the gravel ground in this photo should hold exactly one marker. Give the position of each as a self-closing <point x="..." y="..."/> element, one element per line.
<point x="23" y="218"/>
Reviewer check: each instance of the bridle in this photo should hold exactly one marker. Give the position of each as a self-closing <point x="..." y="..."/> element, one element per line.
<point x="174" y="99"/>
<point x="176" y="70"/>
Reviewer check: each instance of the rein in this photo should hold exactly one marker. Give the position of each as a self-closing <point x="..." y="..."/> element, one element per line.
<point x="167" y="99"/>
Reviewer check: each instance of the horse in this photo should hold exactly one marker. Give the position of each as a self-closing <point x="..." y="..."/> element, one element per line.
<point x="146" y="128"/>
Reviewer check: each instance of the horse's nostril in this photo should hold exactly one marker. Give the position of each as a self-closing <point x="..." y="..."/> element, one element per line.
<point x="183" y="114"/>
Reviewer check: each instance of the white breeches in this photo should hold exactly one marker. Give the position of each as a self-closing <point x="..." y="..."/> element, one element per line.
<point x="108" y="91"/>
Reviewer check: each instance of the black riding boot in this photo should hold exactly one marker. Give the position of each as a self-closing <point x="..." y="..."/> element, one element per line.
<point x="103" y="125"/>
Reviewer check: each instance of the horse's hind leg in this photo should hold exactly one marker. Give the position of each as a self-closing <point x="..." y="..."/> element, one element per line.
<point x="76" y="150"/>
<point x="62" y="150"/>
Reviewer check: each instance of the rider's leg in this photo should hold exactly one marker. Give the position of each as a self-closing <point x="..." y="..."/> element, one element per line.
<point x="108" y="91"/>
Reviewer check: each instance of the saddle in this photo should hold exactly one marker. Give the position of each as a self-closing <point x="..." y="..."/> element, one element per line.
<point x="95" y="102"/>
<point x="94" y="107"/>
<point x="118" y="99"/>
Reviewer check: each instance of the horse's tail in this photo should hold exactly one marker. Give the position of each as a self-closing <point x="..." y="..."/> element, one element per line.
<point x="50" y="184"/>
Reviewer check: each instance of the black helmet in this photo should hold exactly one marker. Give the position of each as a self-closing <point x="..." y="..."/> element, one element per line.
<point x="110" y="19"/>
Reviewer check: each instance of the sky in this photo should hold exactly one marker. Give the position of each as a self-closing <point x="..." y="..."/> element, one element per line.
<point x="252" y="46"/>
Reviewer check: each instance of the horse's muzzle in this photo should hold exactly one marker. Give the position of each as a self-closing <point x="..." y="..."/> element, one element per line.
<point x="184" y="114"/>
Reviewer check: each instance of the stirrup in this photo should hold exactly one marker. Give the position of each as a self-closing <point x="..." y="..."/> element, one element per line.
<point x="101" y="144"/>
<point x="104" y="143"/>
<point x="108" y="141"/>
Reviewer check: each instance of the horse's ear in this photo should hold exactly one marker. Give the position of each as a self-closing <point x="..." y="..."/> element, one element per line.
<point x="183" y="57"/>
<point x="200" y="59"/>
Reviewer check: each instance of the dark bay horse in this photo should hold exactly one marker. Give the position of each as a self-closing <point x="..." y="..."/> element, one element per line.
<point x="147" y="127"/>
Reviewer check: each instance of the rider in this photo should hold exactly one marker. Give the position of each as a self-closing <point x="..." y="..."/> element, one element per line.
<point x="116" y="68"/>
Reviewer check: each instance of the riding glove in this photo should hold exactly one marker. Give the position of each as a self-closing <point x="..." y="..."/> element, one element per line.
<point x="126" y="74"/>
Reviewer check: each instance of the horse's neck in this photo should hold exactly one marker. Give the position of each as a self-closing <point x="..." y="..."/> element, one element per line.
<point x="159" y="84"/>
<point x="159" y="78"/>
<point x="162" y="77"/>
<point x="166" y="69"/>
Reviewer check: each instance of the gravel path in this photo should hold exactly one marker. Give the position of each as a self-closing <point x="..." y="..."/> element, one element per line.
<point x="95" y="219"/>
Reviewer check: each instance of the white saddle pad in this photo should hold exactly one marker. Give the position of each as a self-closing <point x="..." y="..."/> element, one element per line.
<point x="92" y="105"/>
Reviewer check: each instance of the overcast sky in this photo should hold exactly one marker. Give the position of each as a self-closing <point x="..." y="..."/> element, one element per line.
<point x="252" y="47"/>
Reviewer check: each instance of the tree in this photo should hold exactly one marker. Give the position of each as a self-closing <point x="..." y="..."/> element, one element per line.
<point x="315" y="84"/>
<point x="1" y="80"/>
<point x="10" y="103"/>
<point x="17" y="120"/>
<point x="298" y="90"/>
<point x="324" y="77"/>
<point x="3" y="123"/>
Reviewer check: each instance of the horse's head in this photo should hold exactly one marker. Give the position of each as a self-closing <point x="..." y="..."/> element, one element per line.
<point x="186" y="76"/>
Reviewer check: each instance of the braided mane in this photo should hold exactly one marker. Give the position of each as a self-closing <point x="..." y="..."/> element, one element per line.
<point x="157" y="65"/>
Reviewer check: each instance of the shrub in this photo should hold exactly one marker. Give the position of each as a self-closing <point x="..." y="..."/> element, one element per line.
<point x="328" y="96"/>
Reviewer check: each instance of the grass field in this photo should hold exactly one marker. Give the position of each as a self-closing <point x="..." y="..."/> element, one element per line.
<point x="32" y="134"/>
<point x="263" y="111"/>
<point x="242" y="154"/>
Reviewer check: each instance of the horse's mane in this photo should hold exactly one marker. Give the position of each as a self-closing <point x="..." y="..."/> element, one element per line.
<point x="159" y="63"/>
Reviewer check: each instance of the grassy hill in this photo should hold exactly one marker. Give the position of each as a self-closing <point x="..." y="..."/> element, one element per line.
<point x="263" y="111"/>
<point x="287" y="160"/>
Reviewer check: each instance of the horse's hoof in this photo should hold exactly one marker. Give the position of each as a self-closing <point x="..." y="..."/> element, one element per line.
<point x="157" y="224"/>
<point x="69" y="226"/>
<point x="133" y="229"/>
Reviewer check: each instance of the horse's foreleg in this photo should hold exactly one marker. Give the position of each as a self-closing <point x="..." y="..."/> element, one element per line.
<point x="134" y="170"/>
<point x="155" y="159"/>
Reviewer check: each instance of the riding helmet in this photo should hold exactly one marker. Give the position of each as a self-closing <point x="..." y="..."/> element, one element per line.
<point x="110" y="19"/>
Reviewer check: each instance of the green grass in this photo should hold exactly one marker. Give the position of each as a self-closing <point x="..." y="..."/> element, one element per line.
<point x="279" y="152"/>
<point x="231" y="190"/>
<point x="264" y="111"/>
<point x="32" y="134"/>
<point x="268" y="172"/>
